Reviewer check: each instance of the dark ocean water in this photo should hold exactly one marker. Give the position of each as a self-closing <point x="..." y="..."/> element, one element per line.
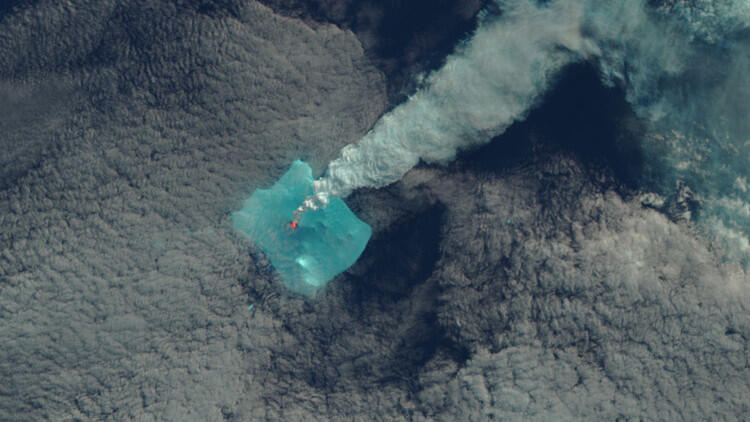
<point x="7" y="6"/>
<point x="578" y="115"/>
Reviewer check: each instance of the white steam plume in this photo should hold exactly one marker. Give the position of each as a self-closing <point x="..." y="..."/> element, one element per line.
<point x="657" y="50"/>
<point x="491" y="81"/>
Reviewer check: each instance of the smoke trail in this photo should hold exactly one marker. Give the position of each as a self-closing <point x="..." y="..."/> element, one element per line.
<point x="491" y="81"/>
<point x="684" y="66"/>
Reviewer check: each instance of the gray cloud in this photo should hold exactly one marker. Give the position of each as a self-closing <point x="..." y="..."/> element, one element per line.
<point x="124" y="292"/>
<point x="119" y="270"/>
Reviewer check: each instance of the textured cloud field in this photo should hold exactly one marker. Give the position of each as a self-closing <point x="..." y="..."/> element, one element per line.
<point x="540" y="286"/>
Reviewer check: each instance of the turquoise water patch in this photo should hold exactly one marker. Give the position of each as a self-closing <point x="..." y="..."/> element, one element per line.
<point x="326" y="242"/>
